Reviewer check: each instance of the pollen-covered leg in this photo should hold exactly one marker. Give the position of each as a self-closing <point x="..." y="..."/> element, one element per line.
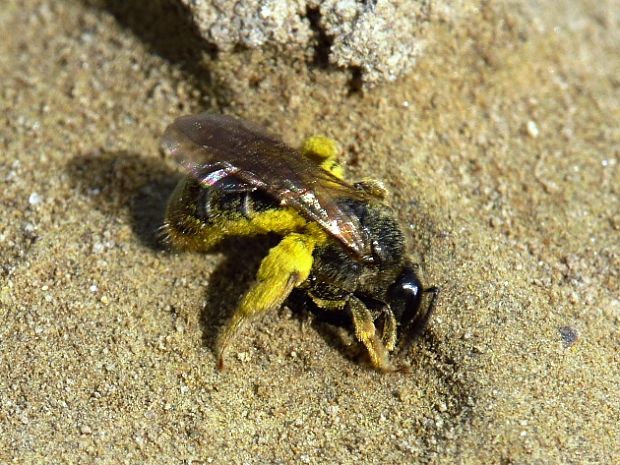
<point x="366" y="333"/>
<point x="324" y="151"/>
<point x="388" y="335"/>
<point x="373" y="187"/>
<point x="285" y="267"/>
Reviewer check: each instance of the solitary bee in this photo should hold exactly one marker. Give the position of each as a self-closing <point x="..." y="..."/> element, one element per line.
<point x="341" y="244"/>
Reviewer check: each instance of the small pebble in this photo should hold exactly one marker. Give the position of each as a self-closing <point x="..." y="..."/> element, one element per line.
<point x="569" y="335"/>
<point x="532" y="129"/>
<point x="34" y="199"/>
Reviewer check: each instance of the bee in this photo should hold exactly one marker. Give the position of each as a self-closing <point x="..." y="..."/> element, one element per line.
<point x="341" y="243"/>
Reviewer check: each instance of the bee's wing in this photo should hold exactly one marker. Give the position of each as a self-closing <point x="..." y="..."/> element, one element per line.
<point x="211" y="147"/>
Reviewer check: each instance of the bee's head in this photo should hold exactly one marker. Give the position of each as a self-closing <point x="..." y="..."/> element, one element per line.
<point x="405" y="299"/>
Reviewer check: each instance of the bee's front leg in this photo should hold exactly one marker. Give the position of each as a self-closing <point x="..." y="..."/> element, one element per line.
<point x="285" y="267"/>
<point x="388" y="335"/>
<point x="366" y="333"/>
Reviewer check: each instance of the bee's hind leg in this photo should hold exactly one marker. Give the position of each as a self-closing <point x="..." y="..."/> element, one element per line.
<point x="285" y="267"/>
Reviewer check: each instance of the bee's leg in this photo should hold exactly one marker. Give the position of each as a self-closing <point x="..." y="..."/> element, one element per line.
<point x="366" y="333"/>
<point x="373" y="187"/>
<point x="285" y="267"/>
<point x="324" y="151"/>
<point x="388" y="335"/>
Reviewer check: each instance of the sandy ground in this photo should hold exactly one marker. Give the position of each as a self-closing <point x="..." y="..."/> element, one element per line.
<point x="502" y="152"/>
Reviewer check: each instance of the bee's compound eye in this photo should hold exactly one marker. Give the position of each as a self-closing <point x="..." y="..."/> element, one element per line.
<point x="405" y="295"/>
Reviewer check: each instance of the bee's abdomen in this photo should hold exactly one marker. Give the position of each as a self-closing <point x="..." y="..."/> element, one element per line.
<point x="213" y="204"/>
<point x="200" y="216"/>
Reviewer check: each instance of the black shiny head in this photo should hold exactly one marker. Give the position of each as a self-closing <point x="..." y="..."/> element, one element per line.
<point x="405" y="300"/>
